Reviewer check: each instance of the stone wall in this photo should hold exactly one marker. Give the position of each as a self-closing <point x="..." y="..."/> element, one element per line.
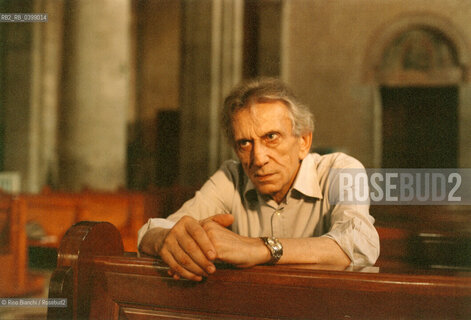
<point x="326" y="46"/>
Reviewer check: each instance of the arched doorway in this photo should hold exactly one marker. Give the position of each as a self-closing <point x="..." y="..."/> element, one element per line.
<point x="419" y="76"/>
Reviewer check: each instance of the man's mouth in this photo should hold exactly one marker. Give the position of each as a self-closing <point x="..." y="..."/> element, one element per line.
<point x="265" y="176"/>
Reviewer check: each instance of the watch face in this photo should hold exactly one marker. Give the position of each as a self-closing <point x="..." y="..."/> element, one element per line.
<point x="277" y="246"/>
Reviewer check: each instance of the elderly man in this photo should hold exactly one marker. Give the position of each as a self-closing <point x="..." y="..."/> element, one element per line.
<point x="274" y="205"/>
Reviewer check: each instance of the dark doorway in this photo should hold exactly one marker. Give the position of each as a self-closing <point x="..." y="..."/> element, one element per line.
<point x="420" y="127"/>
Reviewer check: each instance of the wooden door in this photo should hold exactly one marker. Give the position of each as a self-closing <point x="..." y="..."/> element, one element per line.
<point x="420" y="127"/>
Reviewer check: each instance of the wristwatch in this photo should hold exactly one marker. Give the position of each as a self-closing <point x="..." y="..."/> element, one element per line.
<point x="275" y="247"/>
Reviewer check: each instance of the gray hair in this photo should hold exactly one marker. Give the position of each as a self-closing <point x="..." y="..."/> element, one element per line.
<point x="263" y="90"/>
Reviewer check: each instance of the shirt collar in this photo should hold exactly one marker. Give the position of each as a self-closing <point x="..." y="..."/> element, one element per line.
<point x="306" y="182"/>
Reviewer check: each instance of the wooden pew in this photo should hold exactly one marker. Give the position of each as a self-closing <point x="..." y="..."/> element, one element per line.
<point x="55" y="212"/>
<point x="426" y="236"/>
<point x="125" y="210"/>
<point x="101" y="282"/>
<point x="15" y="279"/>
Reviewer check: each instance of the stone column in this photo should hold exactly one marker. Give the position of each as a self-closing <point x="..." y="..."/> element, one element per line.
<point x="16" y="93"/>
<point x="45" y="80"/>
<point x="95" y="94"/>
<point x="212" y="64"/>
<point x="29" y="89"/>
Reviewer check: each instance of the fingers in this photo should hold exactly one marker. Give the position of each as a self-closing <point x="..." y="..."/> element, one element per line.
<point x="224" y="219"/>
<point x="205" y="245"/>
<point x="221" y="238"/>
<point x="184" y="269"/>
<point x="188" y="251"/>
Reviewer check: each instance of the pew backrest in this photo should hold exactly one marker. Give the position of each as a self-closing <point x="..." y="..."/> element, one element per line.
<point x="100" y="281"/>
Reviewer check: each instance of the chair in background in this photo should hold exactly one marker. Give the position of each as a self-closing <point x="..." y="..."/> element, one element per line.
<point x="15" y="279"/>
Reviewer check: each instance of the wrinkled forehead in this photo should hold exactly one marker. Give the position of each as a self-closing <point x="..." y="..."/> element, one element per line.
<point x="262" y="117"/>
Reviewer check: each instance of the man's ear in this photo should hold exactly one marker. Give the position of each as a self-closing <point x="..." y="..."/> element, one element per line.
<point x="305" y="141"/>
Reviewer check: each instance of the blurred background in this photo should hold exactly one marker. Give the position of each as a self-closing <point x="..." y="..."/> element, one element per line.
<point x="126" y="94"/>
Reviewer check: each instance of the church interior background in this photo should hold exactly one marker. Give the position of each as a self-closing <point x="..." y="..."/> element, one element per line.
<point x="126" y="94"/>
<point x="122" y="94"/>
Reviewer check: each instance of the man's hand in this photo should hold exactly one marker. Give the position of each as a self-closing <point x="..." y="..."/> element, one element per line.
<point x="188" y="250"/>
<point x="232" y="248"/>
<point x="191" y="246"/>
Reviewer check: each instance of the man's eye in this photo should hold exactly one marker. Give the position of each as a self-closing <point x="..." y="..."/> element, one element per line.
<point x="272" y="136"/>
<point x="244" y="144"/>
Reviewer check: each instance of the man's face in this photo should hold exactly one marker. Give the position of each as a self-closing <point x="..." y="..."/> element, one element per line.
<point x="267" y="148"/>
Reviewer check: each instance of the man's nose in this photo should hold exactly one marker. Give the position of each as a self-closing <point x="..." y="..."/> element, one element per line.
<point x="260" y="154"/>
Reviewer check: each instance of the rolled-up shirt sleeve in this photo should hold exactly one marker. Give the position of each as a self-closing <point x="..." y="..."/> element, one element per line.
<point x="153" y="223"/>
<point x="354" y="232"/>
<point x="351" y="225"/>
